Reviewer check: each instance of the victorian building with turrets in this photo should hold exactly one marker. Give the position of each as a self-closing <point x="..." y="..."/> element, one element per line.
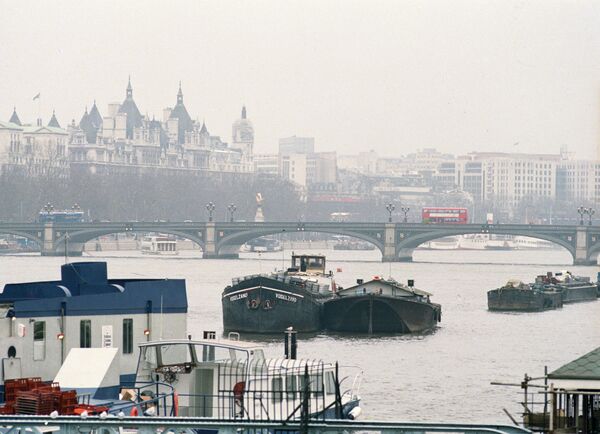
<point x="125" y="140"/>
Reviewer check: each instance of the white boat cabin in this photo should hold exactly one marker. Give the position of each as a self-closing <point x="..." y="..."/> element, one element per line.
<point x="230" y="379"/>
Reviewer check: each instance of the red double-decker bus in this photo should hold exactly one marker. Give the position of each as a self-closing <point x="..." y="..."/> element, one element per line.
<point x="445" y="215"/>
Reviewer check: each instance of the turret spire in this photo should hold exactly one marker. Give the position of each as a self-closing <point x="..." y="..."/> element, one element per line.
<point x="244" y="112"/>
<point x="180" y="95"/>
<point x="129" y="88"/>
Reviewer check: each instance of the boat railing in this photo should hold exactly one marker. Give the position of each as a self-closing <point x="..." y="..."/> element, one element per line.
<point x="114" y="425"/>
<point x="164" y="402"/>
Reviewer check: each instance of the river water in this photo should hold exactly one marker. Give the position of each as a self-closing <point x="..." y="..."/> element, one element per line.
<point x="443" y="375"/>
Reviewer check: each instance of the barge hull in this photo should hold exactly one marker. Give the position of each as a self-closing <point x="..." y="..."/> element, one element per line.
<point x="379" y="314"/>
<point x="523" y="300"/>
<point x="262" y="305"/>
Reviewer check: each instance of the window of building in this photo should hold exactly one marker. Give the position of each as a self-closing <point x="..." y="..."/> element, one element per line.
<point x="39" y="340"/>
<point x="127" y="336"/>
<point x="85" y="333"/>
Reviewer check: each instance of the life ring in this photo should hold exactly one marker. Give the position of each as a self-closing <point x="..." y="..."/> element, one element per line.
<point x="175" y="404"/>
<point x="134" y="411"/>
<point x="254" y="303"/>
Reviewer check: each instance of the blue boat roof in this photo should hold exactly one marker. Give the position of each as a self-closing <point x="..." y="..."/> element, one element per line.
<point x="84" y="289"/>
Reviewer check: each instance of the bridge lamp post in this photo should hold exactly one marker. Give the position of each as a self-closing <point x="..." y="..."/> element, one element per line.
<point x="405" y="210"/>
<point x="591" y="212"/>
<point x="390" y="207"/>
<point x="210" y="207"/>
<point x="231" y="208"/>
<point x="581" y="211"/>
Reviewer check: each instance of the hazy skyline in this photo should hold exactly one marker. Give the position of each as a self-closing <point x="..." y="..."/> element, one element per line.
<point x="390" y="76"/>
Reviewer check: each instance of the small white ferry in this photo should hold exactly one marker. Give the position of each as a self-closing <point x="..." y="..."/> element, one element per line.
<point x="159" y="245"/>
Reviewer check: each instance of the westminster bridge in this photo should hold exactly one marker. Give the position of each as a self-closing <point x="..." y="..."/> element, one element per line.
<point x="396" y="241"/>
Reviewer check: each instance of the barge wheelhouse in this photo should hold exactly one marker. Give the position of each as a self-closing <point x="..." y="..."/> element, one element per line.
<point x="269" y="303"/>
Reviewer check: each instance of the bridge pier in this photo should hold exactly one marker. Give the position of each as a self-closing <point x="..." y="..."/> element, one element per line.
<point x="582" y="256"/>
<point x="47" y="247"/>
<point x="389" y="244"/>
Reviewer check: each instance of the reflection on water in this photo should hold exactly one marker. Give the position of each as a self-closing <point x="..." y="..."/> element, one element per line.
<point x="441" y="375"/>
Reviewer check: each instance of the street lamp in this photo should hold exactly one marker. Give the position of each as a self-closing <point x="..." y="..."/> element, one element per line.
<point x="405" y="210"/>
<point x="581" y="211"/>
<point x="591" y="212"/>
<point x="48" y="208"/>
<point x="231" y="208"/>
<point x="390" y="207"/>
<point x="210" y="207"/>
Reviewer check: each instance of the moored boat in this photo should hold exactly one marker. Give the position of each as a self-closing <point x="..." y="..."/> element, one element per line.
<point x="518" y="296"/>
<point x="573" y="288"/>
<point x="381" y="306"/>
<point x="159" y="245"/>
<point x="269" y="303"/>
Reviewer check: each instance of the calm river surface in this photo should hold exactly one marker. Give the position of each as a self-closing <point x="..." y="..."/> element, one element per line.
<point x="443" y="375"/>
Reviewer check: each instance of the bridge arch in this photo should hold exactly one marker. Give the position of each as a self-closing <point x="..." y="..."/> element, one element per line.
<point x="24" y="234"/>
<point x="230" y="244"/>
<point x="405" y="245"/>
<point x="78" y="238"/>
<point x="593" y="252"/>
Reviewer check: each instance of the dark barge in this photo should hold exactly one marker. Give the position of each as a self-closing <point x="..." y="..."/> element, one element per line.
<point x="381" y="306"/>
<point x="269" y="303"/>
<point x="573" y="288"/>
<point x="520" y="297"/>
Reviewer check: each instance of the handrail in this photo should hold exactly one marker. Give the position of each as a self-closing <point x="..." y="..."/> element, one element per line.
<point x="163" y="424"/>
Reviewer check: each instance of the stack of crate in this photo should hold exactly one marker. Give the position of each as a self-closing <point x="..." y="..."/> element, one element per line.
<point x="32" y="396"/>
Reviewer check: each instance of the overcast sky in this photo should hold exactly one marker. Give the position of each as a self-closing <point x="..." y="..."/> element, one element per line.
<point x="393" y="76"/>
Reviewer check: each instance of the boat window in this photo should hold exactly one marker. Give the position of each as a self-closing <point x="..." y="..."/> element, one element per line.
<point x="85" y="333"/>
<point x="127" y="336"/>
<point x="315" y="262"/>
<point x="329" y="383"/>
<point x="277" y="388"/>
<point x="316" y="385"/>
<point x="174" y="354"/>
<point x="39" y="340"/>
<point x="149" y="362"/>
<point x="213" y="353"/>
<point x="291" y="384"/>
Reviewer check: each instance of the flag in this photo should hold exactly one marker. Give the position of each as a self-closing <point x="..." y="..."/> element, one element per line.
<point x="36" y="97"/>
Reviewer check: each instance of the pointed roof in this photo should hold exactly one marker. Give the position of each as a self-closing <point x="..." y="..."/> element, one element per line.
<point x="14" y="119"/>
<point x="204" y="130"/>
<point x="134" y="118"/>
<point x="95" y="117"/>
<point x="180" y="112"/>
<point x="53" y="121"/>
<point x="585" y="367"/>
<point x="86" y="125"/>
